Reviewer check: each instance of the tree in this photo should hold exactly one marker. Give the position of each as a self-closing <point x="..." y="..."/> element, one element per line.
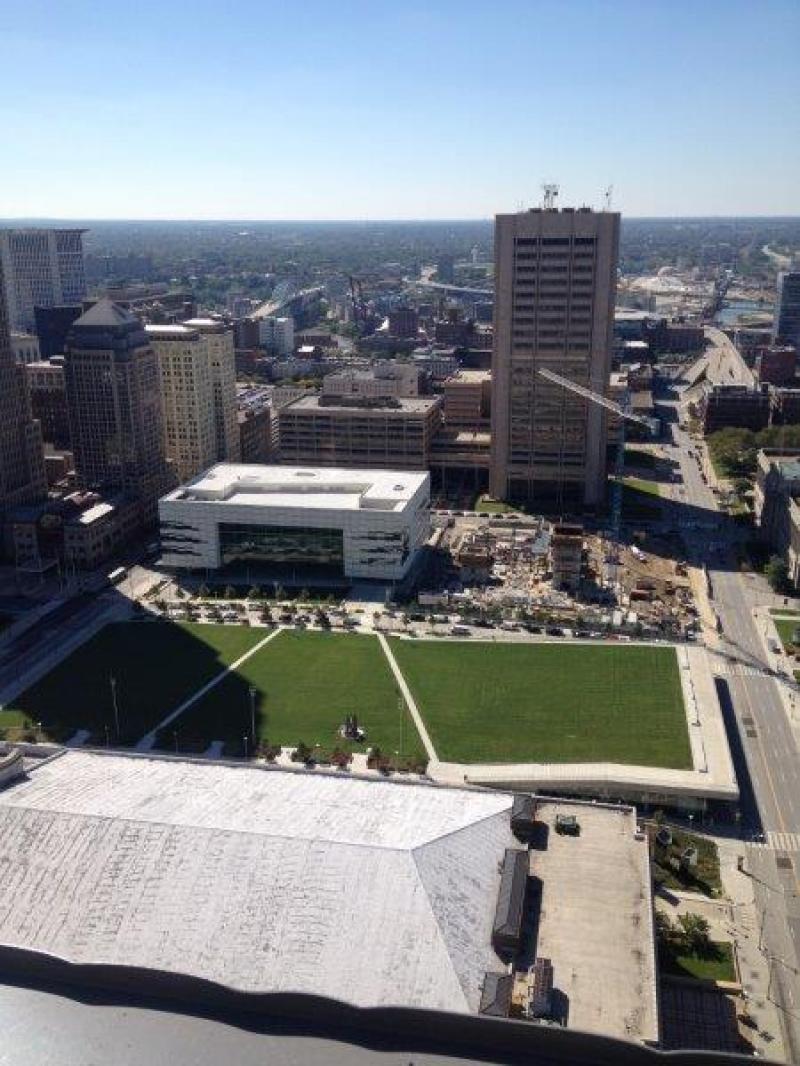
<point x="202" y="592"/>
<point x="777" y="573"/>
<point x="665" y="930"/>
<point x="693" y="930"/>
<point x="230" y="592"/>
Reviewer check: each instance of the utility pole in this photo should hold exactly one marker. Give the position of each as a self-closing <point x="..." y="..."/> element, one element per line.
<point x="113" y="681"/>
<point x="253" y="714"/>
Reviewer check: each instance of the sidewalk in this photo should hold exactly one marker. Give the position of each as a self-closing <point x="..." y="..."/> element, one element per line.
<point x="753" y="964"/>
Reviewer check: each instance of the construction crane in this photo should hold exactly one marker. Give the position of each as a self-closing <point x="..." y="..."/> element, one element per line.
<point x="624" y="415"/>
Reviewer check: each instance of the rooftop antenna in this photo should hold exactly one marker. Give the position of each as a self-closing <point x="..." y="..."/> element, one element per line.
<point x="607" y="198"/>
<point x="550" y="196"/>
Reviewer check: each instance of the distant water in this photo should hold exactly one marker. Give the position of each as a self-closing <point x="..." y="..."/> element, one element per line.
<point x="730" y="313"/>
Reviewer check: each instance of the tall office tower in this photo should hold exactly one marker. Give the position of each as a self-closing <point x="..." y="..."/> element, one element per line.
<point x="187" y="394"/>
<point x="786" y="328"/>
<point x="114" y="402"/>
<point x="218" y="338"/>
<point x="555" y="282"/>
<point x="42" y="268"/>
<point x="276" y="335"/>
<point x="22" y="478"/>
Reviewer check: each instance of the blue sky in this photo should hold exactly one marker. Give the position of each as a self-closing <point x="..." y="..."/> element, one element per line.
<point x="345" y="109"/>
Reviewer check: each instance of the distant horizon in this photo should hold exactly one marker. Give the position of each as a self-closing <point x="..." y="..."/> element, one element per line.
<point x="42" y="220"/>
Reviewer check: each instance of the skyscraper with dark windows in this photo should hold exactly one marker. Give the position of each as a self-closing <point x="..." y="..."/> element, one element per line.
<point x="786" y="329"/>
<point x="22" y="478"/>
<point x="115" y="407"/>
<point x="555" y="284"/>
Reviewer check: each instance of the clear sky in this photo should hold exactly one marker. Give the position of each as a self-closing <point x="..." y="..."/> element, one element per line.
<point x="317" y="109"/>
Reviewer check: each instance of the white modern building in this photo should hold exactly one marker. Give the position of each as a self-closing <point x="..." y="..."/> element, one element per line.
<point x="356" y="523"/>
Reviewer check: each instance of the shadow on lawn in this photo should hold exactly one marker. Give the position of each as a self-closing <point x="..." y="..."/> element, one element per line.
<point x="122" y="682"/>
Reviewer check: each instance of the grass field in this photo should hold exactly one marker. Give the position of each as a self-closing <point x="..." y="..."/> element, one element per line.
<point x="306" y="683"/>
<point x="155" y="664"/>
<point x="640" y="499"/>
<point x="704" y="877"/>
<point x="717" y="965"/>
<point x="639" y="458"/>
<point x="549" y="702"/>
<point x="786" y="629"/>
<point x="490" y="506"/>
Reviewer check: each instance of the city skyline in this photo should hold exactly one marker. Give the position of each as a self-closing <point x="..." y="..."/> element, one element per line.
<point x="450" y="113"/>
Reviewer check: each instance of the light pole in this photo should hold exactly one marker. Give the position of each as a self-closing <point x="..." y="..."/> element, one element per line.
<point x="253" y="692"/>
<point x="113" y="682"/>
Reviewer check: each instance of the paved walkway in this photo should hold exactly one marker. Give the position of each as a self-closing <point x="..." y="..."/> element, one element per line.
<point x="412" y="707"/>
<point x="149" y="739"/>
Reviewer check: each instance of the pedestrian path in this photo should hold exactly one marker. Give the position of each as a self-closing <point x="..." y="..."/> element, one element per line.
<point x="409" y="699"/>
<point x="148" y="740"/>
<point x="727" y="669"/>
<point x="779" y="842"/>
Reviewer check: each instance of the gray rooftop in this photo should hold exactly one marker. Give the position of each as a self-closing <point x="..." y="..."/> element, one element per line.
<point x="106" y="313"/>
<point x="369" y="891"/>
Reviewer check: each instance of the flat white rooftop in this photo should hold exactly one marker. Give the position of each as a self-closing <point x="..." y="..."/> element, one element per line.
<point x="370" y="892"/>
<point x="328" y="488"/>
<point x="596" y="923"/>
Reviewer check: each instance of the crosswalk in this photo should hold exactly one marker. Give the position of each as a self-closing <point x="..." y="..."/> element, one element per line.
<point x="725" y="669"/>
<point x="780" y="842"/>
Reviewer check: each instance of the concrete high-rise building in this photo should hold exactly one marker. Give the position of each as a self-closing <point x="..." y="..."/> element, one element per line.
<point x="555" y="283"/>
<point x="187" y="396"/>
<point x="218" y="338"/>
<point x="114" y="403"/>
<point x="276" y="335"/>
<point x="787" y="310"/>
<point x="42" y="268"/>
<point x="22" y="478"/>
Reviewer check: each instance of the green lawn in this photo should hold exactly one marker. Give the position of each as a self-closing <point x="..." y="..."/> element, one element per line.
<point x="717" y="965"/>
<point x="490" y="506"/>
<point x="704" y="877"/>
<point x="549" y="702"/>
<point x="786" y="629"/>
<point x="306" y="682"/>
<point x="639" y="499"/>
<point x="13" y="723"/>
<point x="155" y="664"/>
<point x="638" y="457"/>
<point x="637" y="484"/>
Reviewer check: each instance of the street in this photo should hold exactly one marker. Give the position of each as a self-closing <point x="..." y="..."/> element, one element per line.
<point x="764" y="727"/>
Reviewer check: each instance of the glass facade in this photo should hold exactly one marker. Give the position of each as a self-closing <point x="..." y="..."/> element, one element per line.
<point x="279" y="545"/>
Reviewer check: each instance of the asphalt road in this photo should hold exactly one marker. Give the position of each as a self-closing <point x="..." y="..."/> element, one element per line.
<point x="725" y="363"/>
<point x="766" y="733"/>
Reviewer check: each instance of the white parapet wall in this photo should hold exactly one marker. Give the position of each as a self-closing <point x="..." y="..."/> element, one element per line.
<point x="712" y="776"/>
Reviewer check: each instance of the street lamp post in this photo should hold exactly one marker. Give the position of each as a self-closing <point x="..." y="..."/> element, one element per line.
<point x="244" y="739"/>
<point x="113" y="681"/>
<point x="253" y="692"/>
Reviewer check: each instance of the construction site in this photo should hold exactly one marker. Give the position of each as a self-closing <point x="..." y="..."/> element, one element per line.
<point x="531" y="570"/>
